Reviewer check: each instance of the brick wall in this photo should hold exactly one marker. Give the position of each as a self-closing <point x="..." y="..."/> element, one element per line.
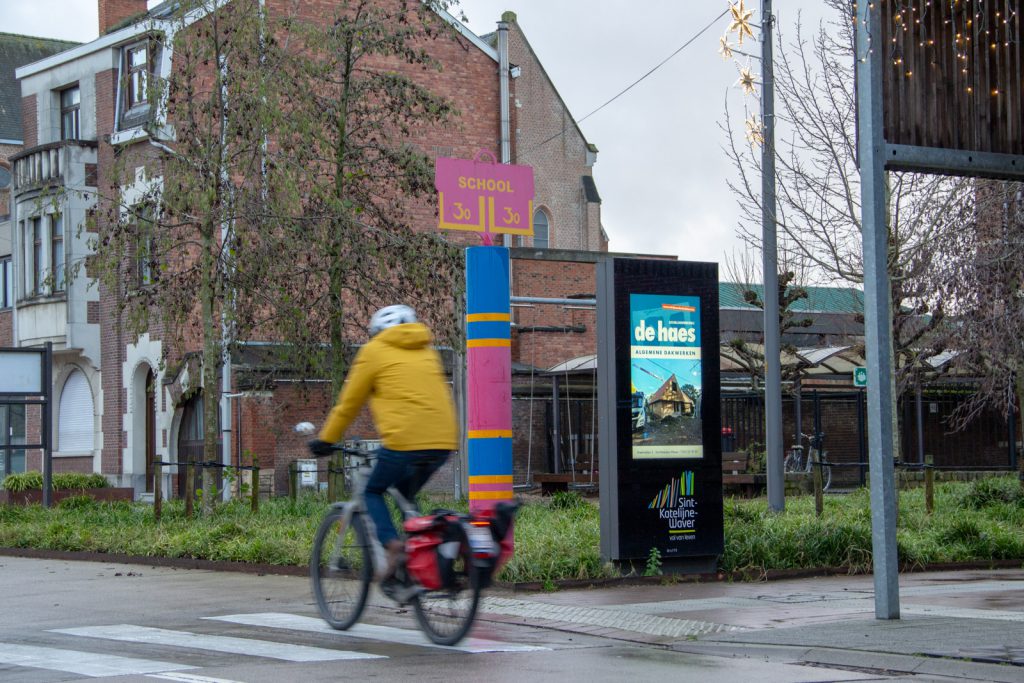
<point x="546" y="334"/>
<point x="113" y="12"/>
<point x="29" y="121"/>
<point x="6" y="328"/>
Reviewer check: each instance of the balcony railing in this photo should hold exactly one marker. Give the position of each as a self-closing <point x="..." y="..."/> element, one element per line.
<point x="45" y="165"/>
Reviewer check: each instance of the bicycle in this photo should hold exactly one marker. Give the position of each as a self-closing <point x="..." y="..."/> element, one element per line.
<point x="450" y="558"/>
<point x="799" y="461"/>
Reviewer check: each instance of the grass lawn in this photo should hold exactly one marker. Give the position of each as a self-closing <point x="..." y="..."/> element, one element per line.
<point x="557" y="538"/>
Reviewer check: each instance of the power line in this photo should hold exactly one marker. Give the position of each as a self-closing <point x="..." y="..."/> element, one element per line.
<point x="639" y="80"/>
<point x="660" y="64"/>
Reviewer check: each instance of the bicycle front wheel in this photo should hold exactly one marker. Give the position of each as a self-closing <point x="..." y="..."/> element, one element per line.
<point x="340" y="568"/>
<point x="447" y="614"/>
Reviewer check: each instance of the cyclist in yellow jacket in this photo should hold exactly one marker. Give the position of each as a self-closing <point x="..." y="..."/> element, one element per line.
<point x="402" y="376"/>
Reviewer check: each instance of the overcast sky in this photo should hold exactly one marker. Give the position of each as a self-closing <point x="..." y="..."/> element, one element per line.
<point x="661" y="170"/>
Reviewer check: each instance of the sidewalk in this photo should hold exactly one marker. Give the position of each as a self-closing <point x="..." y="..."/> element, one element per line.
<point x="965" y="625"/>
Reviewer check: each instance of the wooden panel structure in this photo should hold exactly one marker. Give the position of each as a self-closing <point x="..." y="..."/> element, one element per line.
<point x="953" y="74"/>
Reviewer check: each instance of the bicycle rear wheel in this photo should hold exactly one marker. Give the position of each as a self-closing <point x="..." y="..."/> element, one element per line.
<point x="826" y="473"/>
<point x="793" y="462"/>
<point x="340" y="568"/>
<point x="447" y="614"/>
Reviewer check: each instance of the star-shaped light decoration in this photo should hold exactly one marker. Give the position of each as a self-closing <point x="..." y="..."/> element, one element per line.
<point x="747" y="80"/>
<point x="724" y="48"/>
<point x="740" y="21"/>
<point x="755" y="131"/>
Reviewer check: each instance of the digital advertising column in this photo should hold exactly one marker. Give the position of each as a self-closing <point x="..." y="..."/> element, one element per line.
<point x="658" y="383"/>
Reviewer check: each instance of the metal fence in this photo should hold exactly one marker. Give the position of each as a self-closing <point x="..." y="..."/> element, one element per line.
<point x="841" y="417"/>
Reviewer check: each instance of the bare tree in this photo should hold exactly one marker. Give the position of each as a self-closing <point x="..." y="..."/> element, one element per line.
<point x="982" y="278"/>
<point x="819" y="213"/>
<point x="747" y="351"/>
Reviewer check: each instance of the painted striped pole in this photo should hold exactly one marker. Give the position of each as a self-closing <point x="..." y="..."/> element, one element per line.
<point x="488" y="377"/>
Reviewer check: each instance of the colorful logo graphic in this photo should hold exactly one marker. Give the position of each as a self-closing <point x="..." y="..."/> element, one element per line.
<point x="677" y="506"/>
<point x="668" y="497"/>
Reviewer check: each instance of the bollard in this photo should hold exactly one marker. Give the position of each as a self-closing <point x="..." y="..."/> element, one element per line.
<point x="819" y="497"/>
<point x="254" y="505"/>
<point x="158" y="495"/>
<point x="190" y="486"/>
<point x="929" y="484"/>
<point x="293" y="480"/>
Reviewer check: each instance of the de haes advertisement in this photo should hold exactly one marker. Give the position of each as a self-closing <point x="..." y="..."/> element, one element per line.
<point x="665" y="373"/>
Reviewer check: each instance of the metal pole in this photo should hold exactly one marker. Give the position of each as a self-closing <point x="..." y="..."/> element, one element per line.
<point x="878" y="334"/>
<point x="556" y="432"/>
<point x="47" y="441"/>
<point x="770" y="275"/>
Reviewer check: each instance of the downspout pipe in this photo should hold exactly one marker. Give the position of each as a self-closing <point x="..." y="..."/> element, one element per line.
<point x="503" y="97"/>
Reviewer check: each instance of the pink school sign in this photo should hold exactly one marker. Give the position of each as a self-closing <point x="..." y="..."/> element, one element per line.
<point x="484" y="197"/>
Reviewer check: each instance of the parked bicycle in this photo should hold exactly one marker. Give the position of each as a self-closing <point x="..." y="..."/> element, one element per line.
<point x="801" y="460"/>
<point x="450" y="558"/>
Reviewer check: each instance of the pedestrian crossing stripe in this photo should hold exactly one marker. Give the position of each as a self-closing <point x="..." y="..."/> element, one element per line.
<point x="189" y="678"/>
<point x="90" y="664"/>
<point x="388" y="634"/>
<point x="202" y="641"/>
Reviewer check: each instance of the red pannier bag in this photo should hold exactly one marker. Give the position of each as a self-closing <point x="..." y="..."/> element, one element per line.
<point x="425" y="534"/>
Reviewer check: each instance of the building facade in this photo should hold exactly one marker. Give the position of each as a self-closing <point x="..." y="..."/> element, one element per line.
<point x="121" y="402"/>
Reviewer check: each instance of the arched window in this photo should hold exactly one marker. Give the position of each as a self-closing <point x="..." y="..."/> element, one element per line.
<point x="540" y="229"/>
<point x="75" y="417"/>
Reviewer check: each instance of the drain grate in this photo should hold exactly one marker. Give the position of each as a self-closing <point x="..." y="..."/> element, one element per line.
<point x="607" y="618"/>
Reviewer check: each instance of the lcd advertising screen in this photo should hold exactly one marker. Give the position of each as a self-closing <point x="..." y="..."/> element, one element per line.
<point x="665" y="374"/>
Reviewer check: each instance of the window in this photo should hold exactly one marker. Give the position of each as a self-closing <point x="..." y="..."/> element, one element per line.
<point x="57" y="251"/>
<point x="12" y="434"/>
<point x="144" y="256"/>
<point x="70" y="119"/>
<point x="134" y="85"/>
<point x="75" y="418"/>
<point x="36" y="237"/>
<point x="6" y="284"/>
<point x="540" y="229"/>
<point x="136" y="75"/>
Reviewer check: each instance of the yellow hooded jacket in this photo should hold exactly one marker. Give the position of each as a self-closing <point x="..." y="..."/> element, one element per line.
<point x="402" y="375"/>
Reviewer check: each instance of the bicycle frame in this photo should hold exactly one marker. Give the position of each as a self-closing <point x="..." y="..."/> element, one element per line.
<point x="362" y="467"/>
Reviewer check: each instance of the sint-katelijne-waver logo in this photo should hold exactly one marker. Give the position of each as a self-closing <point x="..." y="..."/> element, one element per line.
<point x="677" y="505"/>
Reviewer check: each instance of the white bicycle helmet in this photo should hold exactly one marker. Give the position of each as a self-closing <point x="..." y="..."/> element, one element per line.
<point x="389" y="316"/>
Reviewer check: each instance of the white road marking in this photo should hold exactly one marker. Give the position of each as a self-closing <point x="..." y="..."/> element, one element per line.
<point x="387" y="634"/>
<point x="82" y="663"/>
<point x="202" y="641"/>
<point x="190" y="678"/>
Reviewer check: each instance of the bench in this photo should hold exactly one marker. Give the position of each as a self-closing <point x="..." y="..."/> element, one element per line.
<point x="550" y="483"/>
<point x="735" y="477"/>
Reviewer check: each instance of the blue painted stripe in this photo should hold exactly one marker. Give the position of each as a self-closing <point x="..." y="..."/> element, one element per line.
<point x="490" y="457"/>
<point x="487" y="278"/>
<point x="489" y="330"/>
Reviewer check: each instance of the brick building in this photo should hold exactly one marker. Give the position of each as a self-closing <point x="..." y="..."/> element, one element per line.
<point x="15" y="51"/>
<point x="121" y="402"/>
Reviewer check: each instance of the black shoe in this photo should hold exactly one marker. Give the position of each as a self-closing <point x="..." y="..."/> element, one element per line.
<point x="400" y="592"/>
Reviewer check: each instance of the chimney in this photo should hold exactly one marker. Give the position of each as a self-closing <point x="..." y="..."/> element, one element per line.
<point x="113" y="12"/>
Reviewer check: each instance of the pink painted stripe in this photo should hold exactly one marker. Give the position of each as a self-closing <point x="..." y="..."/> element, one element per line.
<point x="490" y="487"/>
<point x="489" y="388"/>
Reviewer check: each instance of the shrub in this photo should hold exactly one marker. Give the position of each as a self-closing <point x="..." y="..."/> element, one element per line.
<point x="567" y="500"/>
<point x="985" y="492"/>
<point x="28" y="481"/>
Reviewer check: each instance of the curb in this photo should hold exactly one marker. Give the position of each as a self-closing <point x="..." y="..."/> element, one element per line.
<point x="748" y="576"/>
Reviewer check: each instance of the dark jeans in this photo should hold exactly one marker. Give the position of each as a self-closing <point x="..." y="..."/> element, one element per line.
<point x="407" y="471"/>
